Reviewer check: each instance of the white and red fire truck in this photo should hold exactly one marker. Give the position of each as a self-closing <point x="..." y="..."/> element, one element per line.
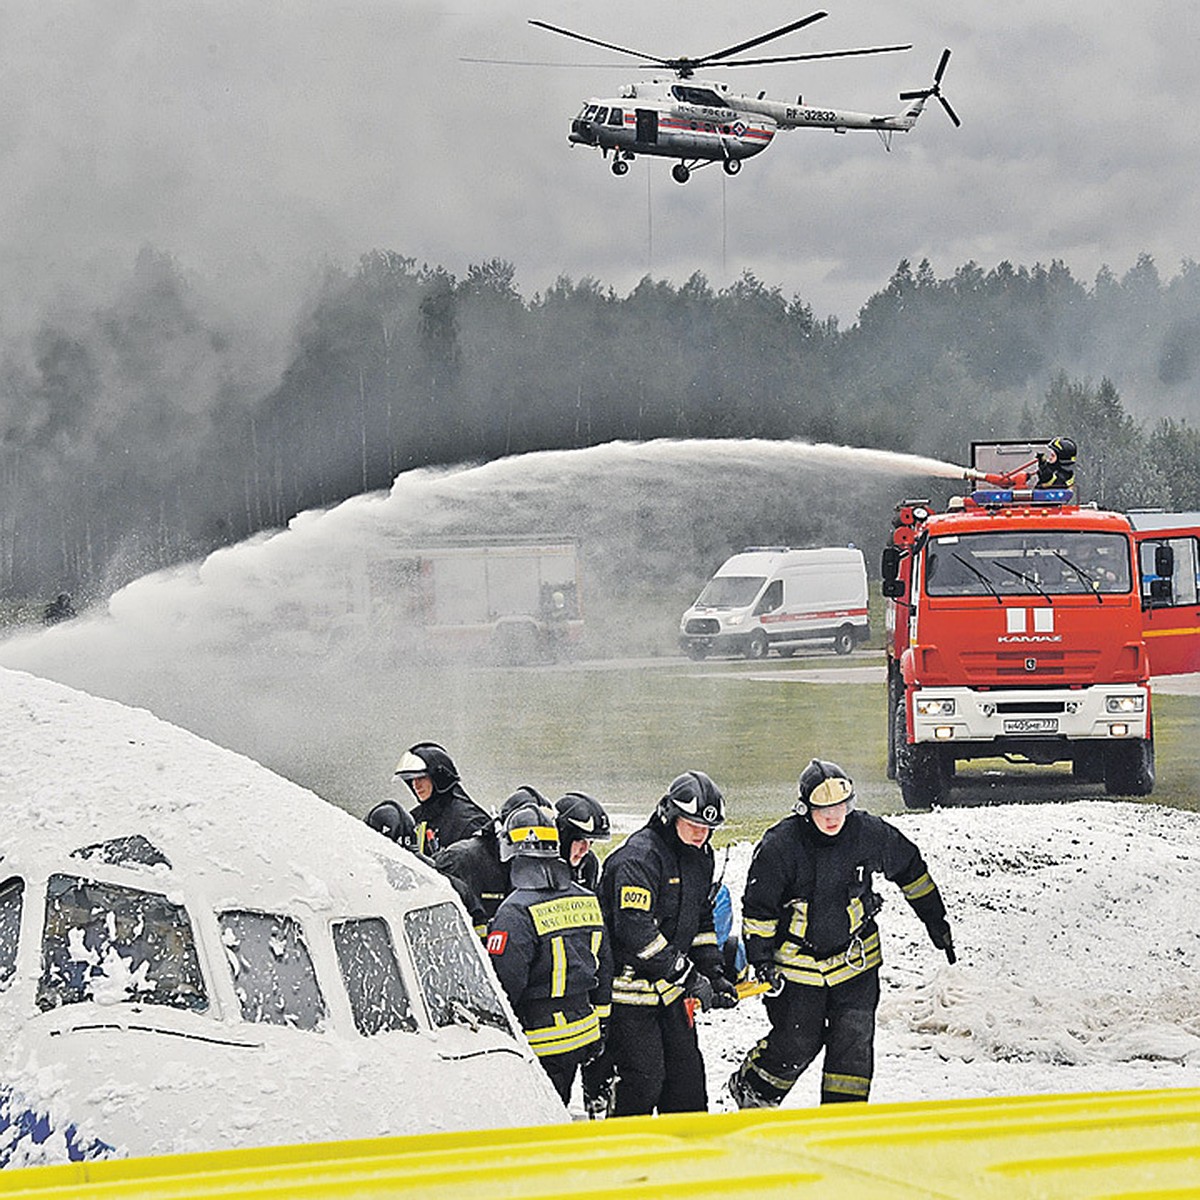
<point x="1024" y="626"/>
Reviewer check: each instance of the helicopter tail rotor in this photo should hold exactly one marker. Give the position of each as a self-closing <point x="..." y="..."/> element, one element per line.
<point x="936" y="90"/>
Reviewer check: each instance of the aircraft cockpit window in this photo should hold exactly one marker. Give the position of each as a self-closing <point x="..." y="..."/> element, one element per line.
<point x="272" y="970"/>
<point x="589" y="112"/>
<point x="132" y="851"/>
<point x="446" y="954"/>
<point x="616" y="116"/>
<point x="602" y="116"/>
<point x="111" y="944"/>
<point x="11" y="894"/>
<point x="378" y="997"/>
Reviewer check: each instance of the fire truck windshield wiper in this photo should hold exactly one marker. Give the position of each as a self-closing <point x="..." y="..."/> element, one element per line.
<point x="987" y="583"/>
<point x="1033" y="583"/>
<point x="1092" y="585"/>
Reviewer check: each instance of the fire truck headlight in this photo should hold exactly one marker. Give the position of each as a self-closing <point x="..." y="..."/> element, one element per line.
<point x="943" y="733"/>
<point x="1125" y="704"/>
<point x="1119" y="730"/>
<point x="935" y="708"/>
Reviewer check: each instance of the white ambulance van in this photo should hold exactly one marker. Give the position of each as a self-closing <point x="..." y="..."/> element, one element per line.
<point x="774" y="598"/>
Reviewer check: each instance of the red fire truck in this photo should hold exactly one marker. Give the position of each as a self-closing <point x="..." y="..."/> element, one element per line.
<point x="1024" y="626"/>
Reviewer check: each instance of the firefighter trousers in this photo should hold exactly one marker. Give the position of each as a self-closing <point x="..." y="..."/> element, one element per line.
<point x="804" y="1019"/>
<point x="657" y="1057"/>
<point x="561" y="1068"/>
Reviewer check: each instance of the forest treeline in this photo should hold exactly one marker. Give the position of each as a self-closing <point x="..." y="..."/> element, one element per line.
<point x="133" y="439"/>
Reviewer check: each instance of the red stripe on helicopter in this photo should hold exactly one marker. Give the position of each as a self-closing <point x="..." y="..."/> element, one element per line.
<point x="696" y="127"/>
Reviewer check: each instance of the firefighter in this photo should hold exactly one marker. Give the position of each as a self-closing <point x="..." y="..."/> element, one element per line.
<point x="388" y="818"/>
<point x="477" y="860"/>
<point x="547" y="943"/>
<point x="655" y="893"/>
<point x="808" y="919"/>
<point x="1056" y="467"/>
<point x="444" y="812"/>
<point x="581" y="820"/>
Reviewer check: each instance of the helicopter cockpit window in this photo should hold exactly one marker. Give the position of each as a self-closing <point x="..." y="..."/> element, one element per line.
<point x="378" y="997"/>
<point x="446" y="954"/>
<point x="698" y="95"/>
<point x="11" y="894"/>
<point x="589" y="112"/>
<point x="272" y="970"/>
<point x="616" y="117"/>
<point x="601" y="116"/>
<point x="112" y="945"/>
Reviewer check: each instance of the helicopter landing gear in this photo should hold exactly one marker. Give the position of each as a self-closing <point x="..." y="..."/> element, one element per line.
<point x="732" y="166"/>
<point x="680" y="173"/>
<point x="620" y="167"/>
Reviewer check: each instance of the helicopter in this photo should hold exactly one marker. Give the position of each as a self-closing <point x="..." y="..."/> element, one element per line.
<point x="700" y="122"/>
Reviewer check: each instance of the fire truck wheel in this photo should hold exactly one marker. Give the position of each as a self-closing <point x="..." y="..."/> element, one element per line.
<point x="1129" y="768"/>
<point x="756" y="647"/>
<point x="922" y="771"/>
<point x="1088" y="764"/>
<point x="843" y="640"/>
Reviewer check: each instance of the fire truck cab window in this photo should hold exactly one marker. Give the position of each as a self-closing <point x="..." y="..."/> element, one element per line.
<point x="1184" y="582"/>
<point x="1062" y="563"/>
<point x="11" y="892"/>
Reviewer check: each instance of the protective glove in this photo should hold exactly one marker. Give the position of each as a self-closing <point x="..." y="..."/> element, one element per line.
<point x="941" y="938"/>
<point x="725" y="994"/>
<point x="697" y="986"/>
<point x="768" y="973"/>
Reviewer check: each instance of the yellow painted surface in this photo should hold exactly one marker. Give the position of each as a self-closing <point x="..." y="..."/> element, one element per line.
<point x="1120" y="1144"/>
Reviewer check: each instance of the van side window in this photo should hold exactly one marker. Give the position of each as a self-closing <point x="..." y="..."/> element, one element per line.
<point x="272" y="970"/>
<point x="447" y="956"/>
<point x="112" y="944"/>
<point x="378" y="997"/>
<point x="771" y="599"/>
<point x="11" y="894"/>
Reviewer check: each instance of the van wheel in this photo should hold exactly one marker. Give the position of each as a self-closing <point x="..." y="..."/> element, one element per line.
<point x="786" y="651"/>
<point x="843" y="640"/>
<point x="756" y="647"/>
<point x="696" y="653"/>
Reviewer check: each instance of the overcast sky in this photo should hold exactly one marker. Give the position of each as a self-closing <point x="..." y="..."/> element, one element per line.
<point x="254" y="139"/>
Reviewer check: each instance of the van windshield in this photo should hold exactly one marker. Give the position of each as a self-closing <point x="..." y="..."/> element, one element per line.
<point x="730" y="591"/>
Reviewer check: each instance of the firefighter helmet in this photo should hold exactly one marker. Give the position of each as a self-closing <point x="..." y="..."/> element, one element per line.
<point x="581" y="818"/>
<point x="394" y="822"/>
<point x="428" y="758"/>
<point x="1064" y="448"/>
<point x="529" y="832"/>
<point x="694" y="797"/>
<point x="823" y="785"/>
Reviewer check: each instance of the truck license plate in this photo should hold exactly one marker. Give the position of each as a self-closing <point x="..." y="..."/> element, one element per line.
<point x="1031" y="725"/>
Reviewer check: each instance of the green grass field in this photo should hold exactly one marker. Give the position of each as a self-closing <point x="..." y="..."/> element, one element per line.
<point x="623" y="731"/>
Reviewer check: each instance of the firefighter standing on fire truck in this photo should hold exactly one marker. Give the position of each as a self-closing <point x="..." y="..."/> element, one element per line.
<point x="808" y="919"/>
<point x="1056" y="467"/>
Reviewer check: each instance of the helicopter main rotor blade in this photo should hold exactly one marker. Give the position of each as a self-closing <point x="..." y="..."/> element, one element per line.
<point x="949" y="111"/>
<point x="760" y="62"/>
<point x="579" y="37"/>
<point x="704" y="59"/>
<point x="941" y="67"/>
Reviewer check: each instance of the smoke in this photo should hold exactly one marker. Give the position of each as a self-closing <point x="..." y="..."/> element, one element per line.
<point x="253" y="646"/>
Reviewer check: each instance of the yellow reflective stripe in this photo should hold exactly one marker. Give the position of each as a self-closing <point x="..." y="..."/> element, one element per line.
<point x="651" y="949"/>
<point x="565" y="912"/>
<point x="704" y="939"/>
<point x="921" y="886"/>
<point x="597" y="943"/>
<point x="855" y="911"/>
<point x="753" y="927"/>
<point x="798" y="926"/>
<point x="532" y="833"/>
<point x="635" y="897"/>
<point x="564" y="1036"/>
<point x="558" y="967"/>
<point x="603" y="1011"/>
<point x="829" y="972"/>
<point x="780" y="1085"/>
<point x="846" y="1085"/>
<point x="629" y="988"/>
